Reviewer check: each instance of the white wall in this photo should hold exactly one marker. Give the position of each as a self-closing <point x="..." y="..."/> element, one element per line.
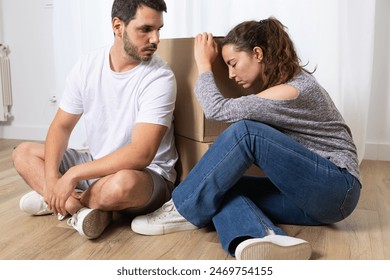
<point x="27" y="30"/>
<point x="1" y="23"/>
<point x="26" y="26"/>
<point x="378" y="132"/>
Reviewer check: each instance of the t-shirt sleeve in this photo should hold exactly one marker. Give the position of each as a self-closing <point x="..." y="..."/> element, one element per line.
<point x="157" y="102"/>
<point x="71" y="101"/>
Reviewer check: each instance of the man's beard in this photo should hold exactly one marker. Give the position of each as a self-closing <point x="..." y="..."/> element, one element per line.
<point x="133" y="51"/>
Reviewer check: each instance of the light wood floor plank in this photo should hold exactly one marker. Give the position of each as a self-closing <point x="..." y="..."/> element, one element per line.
<point x="365" y="235"/>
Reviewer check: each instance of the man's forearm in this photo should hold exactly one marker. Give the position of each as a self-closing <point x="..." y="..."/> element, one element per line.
<point x="55" y="145"/>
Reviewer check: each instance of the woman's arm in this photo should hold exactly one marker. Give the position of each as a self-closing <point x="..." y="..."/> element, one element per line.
<point x="205" y="52"/>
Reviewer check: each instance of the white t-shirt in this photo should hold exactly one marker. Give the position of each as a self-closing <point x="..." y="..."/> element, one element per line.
<point x="112" y="103"/>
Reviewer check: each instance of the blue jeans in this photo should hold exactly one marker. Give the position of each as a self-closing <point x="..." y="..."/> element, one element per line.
<point x="301" y="187"/>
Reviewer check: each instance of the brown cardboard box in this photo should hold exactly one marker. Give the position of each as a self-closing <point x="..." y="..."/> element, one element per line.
<point x="190" y="152"/>
<point x="190" y="121"/>
<point x="193" y="132"/>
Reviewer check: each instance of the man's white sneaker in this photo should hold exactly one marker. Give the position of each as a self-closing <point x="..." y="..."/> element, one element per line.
<point x="90" y="222"/>
<point x="273" y="247"/>
<point x="162" y="221"/>
<point x="34" y="204"/>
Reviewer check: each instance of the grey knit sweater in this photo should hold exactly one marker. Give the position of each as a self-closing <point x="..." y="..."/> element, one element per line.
<point x="312" y="119"/>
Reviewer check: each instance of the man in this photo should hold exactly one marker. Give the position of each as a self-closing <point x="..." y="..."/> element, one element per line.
<point x="126" y="95"/>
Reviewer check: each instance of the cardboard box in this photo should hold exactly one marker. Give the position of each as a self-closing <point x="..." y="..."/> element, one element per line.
<point x="190" y="152"/>
<point x="195" y="134"/>
<point x="190" y="121"/>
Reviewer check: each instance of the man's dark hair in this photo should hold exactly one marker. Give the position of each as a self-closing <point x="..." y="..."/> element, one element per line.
<point x="125" y="10"/>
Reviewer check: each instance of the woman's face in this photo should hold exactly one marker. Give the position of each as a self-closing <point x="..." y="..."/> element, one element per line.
<point x="245" y="68"/>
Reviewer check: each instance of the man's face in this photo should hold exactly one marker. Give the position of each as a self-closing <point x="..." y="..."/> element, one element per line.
<point x="142" y="35"/>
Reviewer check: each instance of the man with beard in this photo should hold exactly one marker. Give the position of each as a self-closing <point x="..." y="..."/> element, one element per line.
<point x="126" y="95"/>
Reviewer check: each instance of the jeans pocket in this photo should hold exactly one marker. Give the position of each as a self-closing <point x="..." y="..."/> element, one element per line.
<point x="351" y="199"/>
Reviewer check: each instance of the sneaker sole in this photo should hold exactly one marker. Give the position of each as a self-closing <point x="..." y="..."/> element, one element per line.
<point x="271" y="251"/>
<point x="160" y="230"/>
<point x="95" y="223"/>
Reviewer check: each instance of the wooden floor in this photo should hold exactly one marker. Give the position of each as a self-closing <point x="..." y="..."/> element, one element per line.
<point x="365" y="235"/>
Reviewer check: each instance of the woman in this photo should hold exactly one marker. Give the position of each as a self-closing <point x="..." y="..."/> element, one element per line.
<point x="291" y="129"/>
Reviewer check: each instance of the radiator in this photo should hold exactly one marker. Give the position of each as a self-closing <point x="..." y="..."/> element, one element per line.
<point x="5" y="84"/>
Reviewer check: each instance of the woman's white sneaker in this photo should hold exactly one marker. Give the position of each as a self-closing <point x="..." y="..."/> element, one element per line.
<point x="273" y="247"/>
<point x="162" y="221"/>
<point x="34" y="204"/>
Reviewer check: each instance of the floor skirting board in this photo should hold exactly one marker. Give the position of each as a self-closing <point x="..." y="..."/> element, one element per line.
<point x="375" y="151"/>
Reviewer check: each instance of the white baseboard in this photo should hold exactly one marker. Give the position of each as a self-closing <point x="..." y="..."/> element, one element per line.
<point x="38" y="133"/>
<point x="375" y="151"/>
<point x="35" y="133"/>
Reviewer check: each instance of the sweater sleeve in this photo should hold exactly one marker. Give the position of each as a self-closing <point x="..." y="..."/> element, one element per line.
<point x="216" y="106"/>
<point x="248" y="107"/>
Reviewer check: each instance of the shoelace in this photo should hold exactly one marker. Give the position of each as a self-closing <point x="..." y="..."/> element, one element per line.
<point x="168" y="207"/>
<point x="72" y="221"/>
<point x="166" y="210"/>
<point x="45" y="207"/>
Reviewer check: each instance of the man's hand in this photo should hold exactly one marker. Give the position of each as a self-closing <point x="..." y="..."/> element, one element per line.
<point x="57" y="195"/>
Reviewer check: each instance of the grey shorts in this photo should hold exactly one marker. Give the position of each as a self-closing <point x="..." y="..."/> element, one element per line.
<point x="162" y="188"/>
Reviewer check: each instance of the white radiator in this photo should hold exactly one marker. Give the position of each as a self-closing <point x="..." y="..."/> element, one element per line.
<point x="5" y="84"/>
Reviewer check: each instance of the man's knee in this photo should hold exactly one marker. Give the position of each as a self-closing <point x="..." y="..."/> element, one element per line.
<point x="24" y="157"/>
<point x="126" y="188"/>
<point x="21" y="153"/>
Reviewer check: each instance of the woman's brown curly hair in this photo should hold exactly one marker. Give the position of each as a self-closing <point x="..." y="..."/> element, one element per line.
<point x="280" y="59"/>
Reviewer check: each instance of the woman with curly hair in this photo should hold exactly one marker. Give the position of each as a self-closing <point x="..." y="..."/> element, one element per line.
<point x="290" y="129"/>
